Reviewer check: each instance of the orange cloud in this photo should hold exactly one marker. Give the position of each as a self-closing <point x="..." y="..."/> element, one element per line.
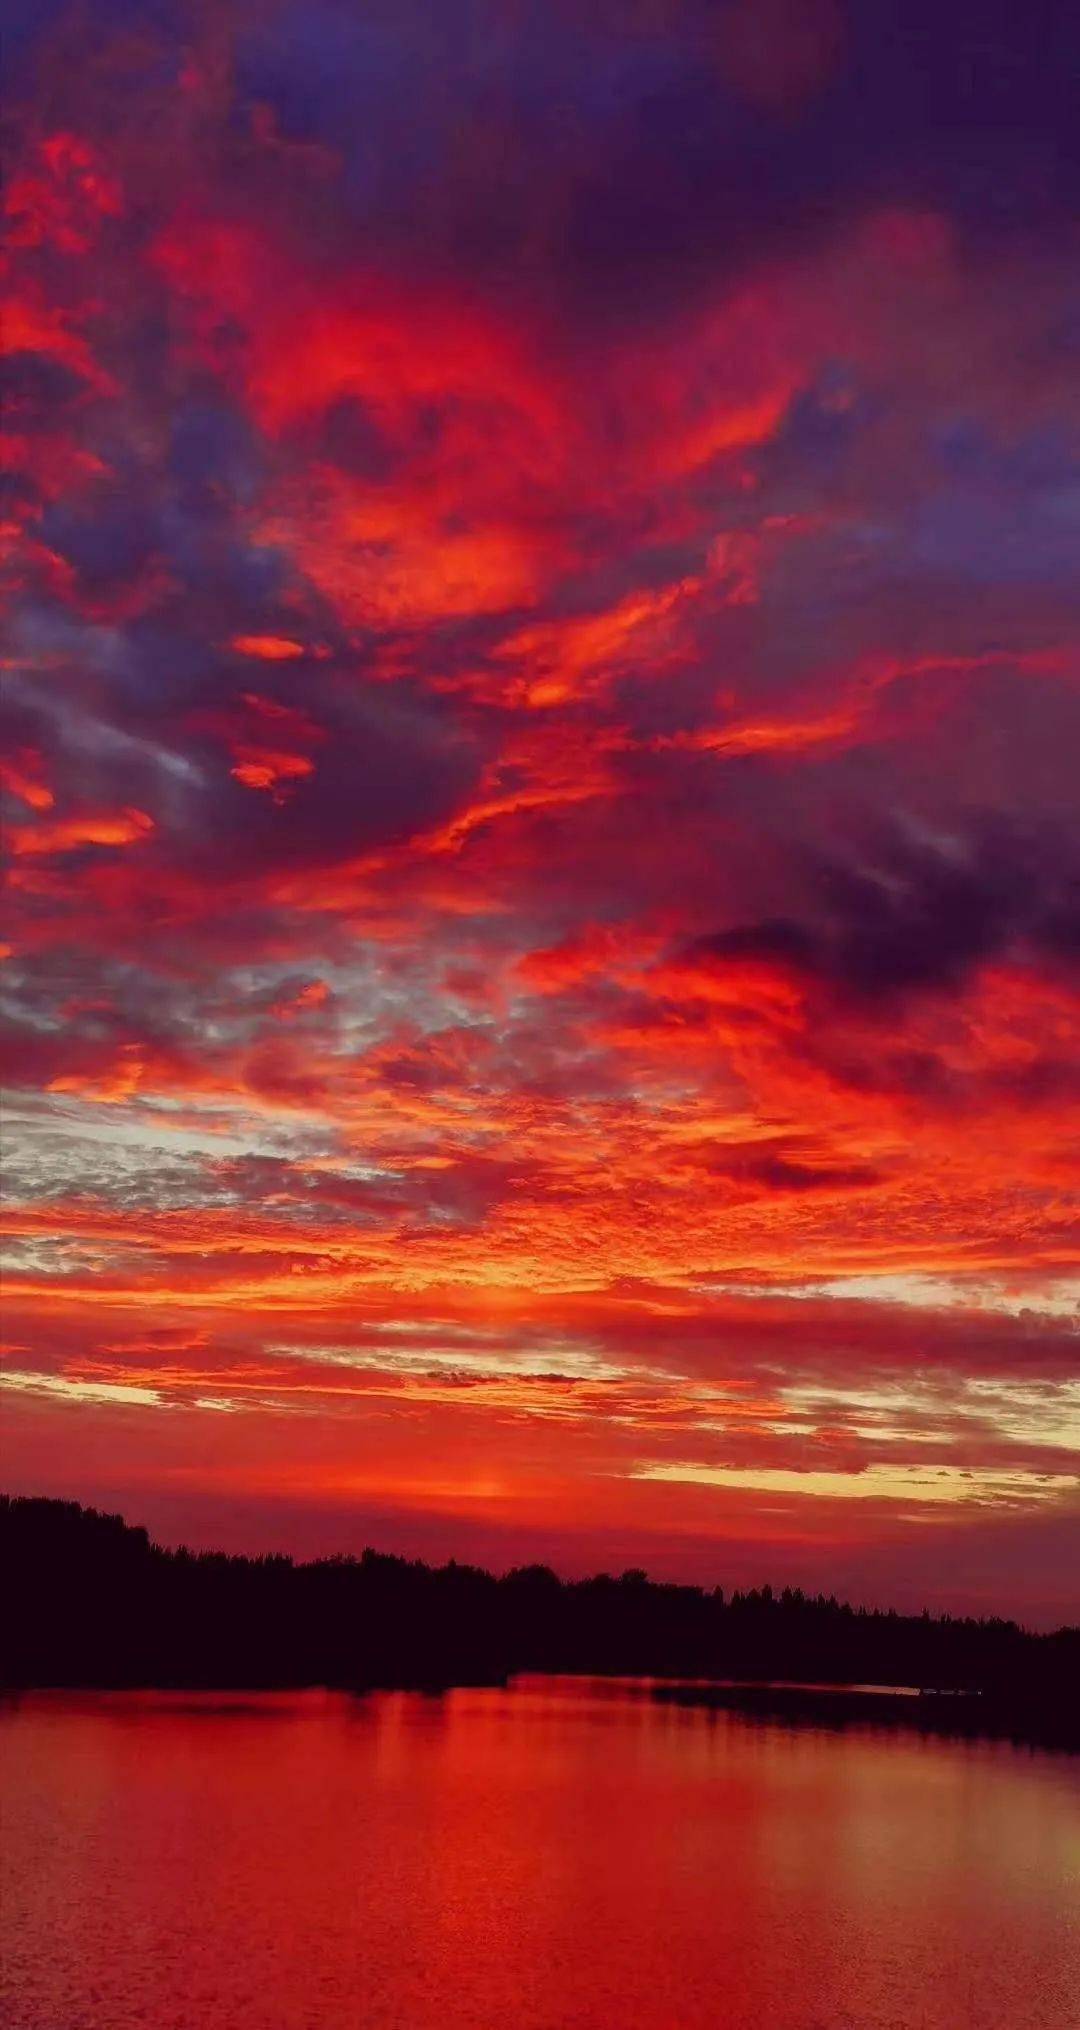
<point x="267" y="648"/>
<point x="20" y="776"/>
<point x="64" y="835"/>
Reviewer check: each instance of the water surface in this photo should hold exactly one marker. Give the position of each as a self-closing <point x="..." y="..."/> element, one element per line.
<point x="563" y="1855"/>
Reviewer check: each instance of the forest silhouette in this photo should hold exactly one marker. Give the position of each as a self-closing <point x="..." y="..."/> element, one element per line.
<point x="90" y="1601"/>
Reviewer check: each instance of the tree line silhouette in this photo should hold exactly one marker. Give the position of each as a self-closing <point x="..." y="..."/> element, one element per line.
<point x="91" y="1601"/>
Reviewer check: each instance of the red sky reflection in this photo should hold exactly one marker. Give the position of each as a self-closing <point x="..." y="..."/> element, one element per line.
<point x="541" y="728"/>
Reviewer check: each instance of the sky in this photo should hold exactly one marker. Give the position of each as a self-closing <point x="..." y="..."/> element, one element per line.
<point x="541" y="726"/>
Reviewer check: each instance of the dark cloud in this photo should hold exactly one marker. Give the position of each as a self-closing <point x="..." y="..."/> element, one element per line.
<point x="589" y="149"/>
<point x="920" y="915"/>
<point x="33" y="386"/>
<point x="108" y="540"/>
<point x="382" y="772"/>
<point x="779" y="1173"/>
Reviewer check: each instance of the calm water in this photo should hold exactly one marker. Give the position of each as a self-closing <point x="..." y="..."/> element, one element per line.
<point x="553" y="1856"/>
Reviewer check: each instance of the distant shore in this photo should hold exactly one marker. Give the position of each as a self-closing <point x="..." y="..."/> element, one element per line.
<point x="89" y="1602"/>
<point x="1040" y="1721"/>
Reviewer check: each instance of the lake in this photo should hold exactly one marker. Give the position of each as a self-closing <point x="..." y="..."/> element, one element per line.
<point x="563" y="1853"/>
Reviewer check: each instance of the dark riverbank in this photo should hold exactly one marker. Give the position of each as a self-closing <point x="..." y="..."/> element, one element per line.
<point x="90" y="1601"/>
<point x="1043" y="1718"/>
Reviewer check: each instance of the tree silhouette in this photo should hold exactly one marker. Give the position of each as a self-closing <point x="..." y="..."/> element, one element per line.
<point x="89" y="1600"/>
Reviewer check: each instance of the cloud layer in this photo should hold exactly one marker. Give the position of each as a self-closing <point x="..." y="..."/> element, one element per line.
<point x="540" y="719"/>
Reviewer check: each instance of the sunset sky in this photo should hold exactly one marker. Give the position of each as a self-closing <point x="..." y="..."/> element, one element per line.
<point x="542" y="731"/>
